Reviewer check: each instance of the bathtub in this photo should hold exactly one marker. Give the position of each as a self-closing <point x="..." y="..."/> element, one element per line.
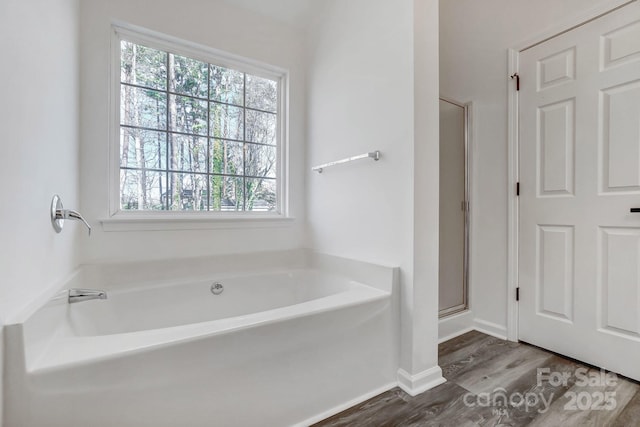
<point x="277" y="346"/>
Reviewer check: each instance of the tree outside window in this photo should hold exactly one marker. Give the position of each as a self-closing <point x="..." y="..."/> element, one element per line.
<point x="195" y="136"/>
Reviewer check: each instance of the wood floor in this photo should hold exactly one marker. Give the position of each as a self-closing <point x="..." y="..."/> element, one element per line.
<point x="488" y="382"/>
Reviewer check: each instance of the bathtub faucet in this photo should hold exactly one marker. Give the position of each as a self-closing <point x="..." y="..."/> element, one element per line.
<point x="59" y="214"/>
<point x="71" y="214"/>
<point x="78" y="295"/>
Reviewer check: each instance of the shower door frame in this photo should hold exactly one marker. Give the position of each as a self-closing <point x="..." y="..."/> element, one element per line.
<point x="467" y="210"/>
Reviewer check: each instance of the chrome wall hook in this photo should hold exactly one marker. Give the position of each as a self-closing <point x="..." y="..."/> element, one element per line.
<point x="59" y="214"/>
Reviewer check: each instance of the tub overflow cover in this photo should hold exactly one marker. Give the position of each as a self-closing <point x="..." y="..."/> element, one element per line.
<point x="217" y="288"/>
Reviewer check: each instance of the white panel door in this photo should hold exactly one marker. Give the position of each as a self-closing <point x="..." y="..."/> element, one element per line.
<point x="579" y="243"/>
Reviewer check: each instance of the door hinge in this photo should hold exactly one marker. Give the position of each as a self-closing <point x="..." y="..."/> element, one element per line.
<point x="517" y="188"/>
<point x="518" y="293"/>
<point x="517" y="77"/>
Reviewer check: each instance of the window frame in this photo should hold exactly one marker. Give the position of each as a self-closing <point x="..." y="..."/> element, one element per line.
<point x="164" y="218"/>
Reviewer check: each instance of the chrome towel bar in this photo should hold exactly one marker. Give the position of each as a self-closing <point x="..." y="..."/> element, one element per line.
<point x="375" y="155"/>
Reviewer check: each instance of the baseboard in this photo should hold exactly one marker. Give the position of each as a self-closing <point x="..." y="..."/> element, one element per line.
<point x="343" y="406"/>
<point x="452" y="326"/>
<point x="419" y="383"/>
<point x="455" y="334"/>
<point x="425" y="380"/>
<point x="490" y="328"/>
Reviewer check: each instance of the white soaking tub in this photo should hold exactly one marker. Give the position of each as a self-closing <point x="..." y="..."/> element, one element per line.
<point x="284" y="346"/>
<point x="242" y="298"/>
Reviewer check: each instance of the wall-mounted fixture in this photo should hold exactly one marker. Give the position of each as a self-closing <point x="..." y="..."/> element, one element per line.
<point x="79" y="295"/>
<point x="375" y="155"/>
<point x="59" y="214"/>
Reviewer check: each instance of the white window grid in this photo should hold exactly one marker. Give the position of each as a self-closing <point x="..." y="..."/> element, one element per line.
<point x="213" y="58"/>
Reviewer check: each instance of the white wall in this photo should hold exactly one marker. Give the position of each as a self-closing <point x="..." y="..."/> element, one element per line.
<point x="39" y="122"/>
<point x="421" y="309"/>
<point x="292" y="12"/>
<point x="474" y="38"/>
<point x="216" y="24"/>
<point x="361" y="98"/>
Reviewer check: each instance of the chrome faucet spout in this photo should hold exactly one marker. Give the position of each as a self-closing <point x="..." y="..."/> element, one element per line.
<point x="71" y="214"/>
<point x="78" y="295"/>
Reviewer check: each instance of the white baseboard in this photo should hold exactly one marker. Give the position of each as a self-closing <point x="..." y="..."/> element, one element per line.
<point x="415" y="384"/>
<point x="419" y="383"/>
<point x="343" y="406"/>
<point x="455" y="325"/>
<point x="490" y="328"/>
<point x="456" y="334"/>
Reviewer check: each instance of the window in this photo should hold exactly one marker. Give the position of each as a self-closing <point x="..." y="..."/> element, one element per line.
<point x="197" y="132"/>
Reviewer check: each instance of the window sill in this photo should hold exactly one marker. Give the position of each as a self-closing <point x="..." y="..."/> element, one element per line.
<point x="192" y="222"/>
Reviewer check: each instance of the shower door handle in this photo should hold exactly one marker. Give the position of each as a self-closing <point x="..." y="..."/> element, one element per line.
<point x="634" y="210"/>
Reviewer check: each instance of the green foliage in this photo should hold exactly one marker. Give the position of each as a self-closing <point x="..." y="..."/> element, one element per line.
<point x="208" y="150"/>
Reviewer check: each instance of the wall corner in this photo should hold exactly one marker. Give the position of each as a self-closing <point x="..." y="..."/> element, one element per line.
<point x="421" y="382"/>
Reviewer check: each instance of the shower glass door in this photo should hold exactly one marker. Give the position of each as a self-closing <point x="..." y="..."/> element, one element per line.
<point x="454" y="208"/>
